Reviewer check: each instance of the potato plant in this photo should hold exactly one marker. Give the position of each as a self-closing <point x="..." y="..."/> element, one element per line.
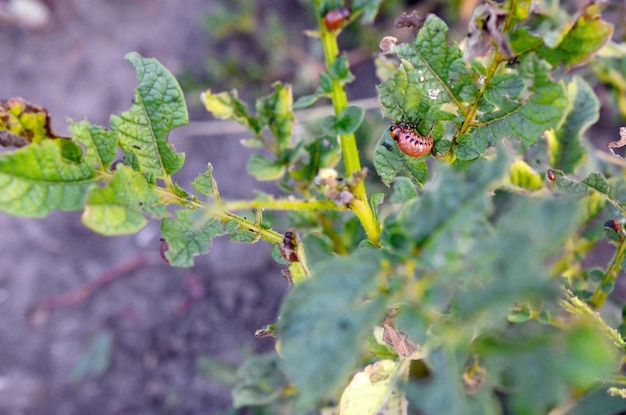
<point x="464" y="290"/>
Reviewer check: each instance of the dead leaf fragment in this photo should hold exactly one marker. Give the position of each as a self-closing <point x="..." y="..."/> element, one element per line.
<point x="398" y="340"/>
<point x="485" y="32"/>
<point x="22" y="123"/>
<point x="618" y="144"/>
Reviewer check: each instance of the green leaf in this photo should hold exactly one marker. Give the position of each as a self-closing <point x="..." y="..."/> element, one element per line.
<point x="450" y="208"/>
<point x="572" y="43"/>
<point x="100" y="144"/>
<point x="37" y="179"/>
<point x="401" y="95"/>
<point x="369" y="9"/>
<point x="524" y="119"/>
<point x="264" y="169"/>
<point x="322" y="322"/>
<point x="403" y="190"/>
<point x="117" y="209"/>
<point x="350" y="119"/>
<point x="261" y="381"/>
<point x="97" y="359"/>
<point x="306" y="101"/>
<point x="275" y="110"/>
<point x="442" y="391"/>
<point x="324" y="89"/>
<point x="519" y="315"/>
<point x="562" y="359"/>
<point x="158" y="107"/>
<point x="611" y="70"/>
<point x="217" y="370"/>
<point x="569" y="186"/>
<point x="205" y="183"/>
<point x="239" y="234"/>
<point x="596" y="182"/>
<point x="599" y="402"/>
<point x="439" y="67"/>
<point x="503" y="89"/>
<point x="227" y="105"/>
<point x="340" y="70"/>
<point x="347" y="122"/>
<point x="566" y="150"/>
<point x="508" y="265"/>
<point x="390" y="162"/>
<point x="187" y="237"/>
<point x="376" y="200"/>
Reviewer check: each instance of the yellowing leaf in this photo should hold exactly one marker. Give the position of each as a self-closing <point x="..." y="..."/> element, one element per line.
<point x="373" y="389"/>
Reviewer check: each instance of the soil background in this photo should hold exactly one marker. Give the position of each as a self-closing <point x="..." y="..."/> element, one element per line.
<point x="161" y="319"/>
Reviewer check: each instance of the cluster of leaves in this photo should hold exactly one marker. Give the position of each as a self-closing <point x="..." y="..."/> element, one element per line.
<point x="471" y="297"/>
<point x="118" y="177"/>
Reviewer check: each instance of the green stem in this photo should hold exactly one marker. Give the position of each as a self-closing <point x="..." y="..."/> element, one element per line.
<point x="351" y="161"/>
<point x="279" y="204"/>
<point x="268" y="235"/>
<point x="497" y="59"/>
<point x="603" y="291"/>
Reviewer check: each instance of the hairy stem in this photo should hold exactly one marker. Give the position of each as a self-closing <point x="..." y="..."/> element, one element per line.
<point x="280" y="204"/>
<point x="605" y="287"/>
<point x="268" y="235"/>
<point x="350" y="152"/>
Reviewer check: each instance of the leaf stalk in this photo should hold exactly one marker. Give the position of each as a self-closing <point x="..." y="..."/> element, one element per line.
<point x="601" y="294"/>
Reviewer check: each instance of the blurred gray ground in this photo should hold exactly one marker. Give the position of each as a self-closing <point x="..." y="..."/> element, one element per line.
<point x="162" y="320"/>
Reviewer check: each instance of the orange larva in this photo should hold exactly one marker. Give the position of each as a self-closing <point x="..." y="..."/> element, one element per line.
<point x="410" y="142"/>
<point x="336" y="17"/>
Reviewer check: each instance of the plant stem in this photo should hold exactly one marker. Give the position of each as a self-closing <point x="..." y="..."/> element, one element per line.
<point x="268" y="235"/>
<point x="280" y="204"/>
<point x="600" y="294"/>
<point x="351" y="161"/>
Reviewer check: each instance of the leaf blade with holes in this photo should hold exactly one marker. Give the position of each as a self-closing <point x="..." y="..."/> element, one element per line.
<point x="526" y="120"/>
<point x="205" y="183"/>
<point x="117" y="209"/>
<point x="400" y="95"/>
<point x="99" y="143"/>
<point x="596" y="182"/>
<point x="187" y="237"/>
<point x="439" y="66"/>
<point x="158" y="107"/>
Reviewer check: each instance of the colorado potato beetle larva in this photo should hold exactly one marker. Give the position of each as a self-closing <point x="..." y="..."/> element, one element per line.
<point x="288" y="249"/>
<point x="336" y="17"/>
<point x="409" y="141"/>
